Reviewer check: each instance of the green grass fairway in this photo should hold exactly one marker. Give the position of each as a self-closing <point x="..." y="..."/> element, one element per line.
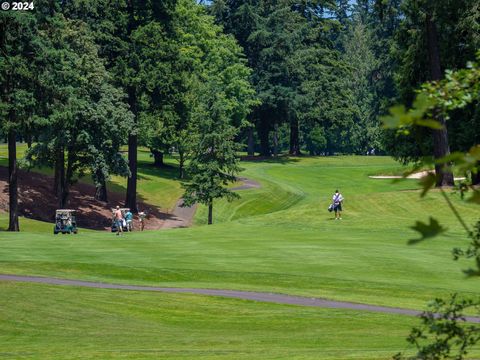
<point x="279" y="238"/>
<point x="46" y="322"/>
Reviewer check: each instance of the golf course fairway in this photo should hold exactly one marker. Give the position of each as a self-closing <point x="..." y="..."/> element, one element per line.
<point x="278" y="238"/>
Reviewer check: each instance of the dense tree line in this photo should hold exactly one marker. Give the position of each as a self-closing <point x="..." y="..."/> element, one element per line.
<point x="433" y="37"/>
<point x="326" y="70"/>
<point x="82" y="79"/>
<point x="321" y="69"/>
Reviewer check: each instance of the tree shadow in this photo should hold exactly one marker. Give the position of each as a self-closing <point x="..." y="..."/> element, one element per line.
<point x="281" y="159"/>
<point x="37" y="202"/>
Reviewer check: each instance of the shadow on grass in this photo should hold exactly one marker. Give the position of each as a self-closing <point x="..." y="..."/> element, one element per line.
<point x="36" y="202"/>
<point x="146" y="170"/>
<point x="169" y="172"/>
<point x="281" y="159"/>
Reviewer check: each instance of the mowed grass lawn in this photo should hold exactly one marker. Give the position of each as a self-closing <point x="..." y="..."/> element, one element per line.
<point x="54" y="322"/>
<point x="279" y="238"/>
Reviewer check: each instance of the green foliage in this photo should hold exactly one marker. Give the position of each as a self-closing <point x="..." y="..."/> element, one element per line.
<point x="316" y="141"/>
<point x="442" y="336"/>
<point x="458" y="90"/>
<point x="473" y="250"/>
<point x="19" y="67"/>
<point x="401" y="118"/>
<point x="457" y="44"/>
<point x="214" y="161"/>
<point x="444" y="333"/>
<point x="297" y="71"/>
<point x="358" y="41"/>
<point x="90" y="120"/>
<point x="223" y="100"/>
<point x="157" y="54"/>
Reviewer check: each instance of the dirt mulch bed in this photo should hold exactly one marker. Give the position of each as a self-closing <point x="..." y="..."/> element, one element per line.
<point x="36" y="201"/>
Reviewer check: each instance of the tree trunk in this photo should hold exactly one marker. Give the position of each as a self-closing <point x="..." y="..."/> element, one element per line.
<point x="294" y="138"/>
<point x="263" y="132"/>
<point x="210" y="212"/>
<point x="131" y="198"/>
<point x="441" y="147"/>
<point x="29" y="141"/>
<point x="275" y="139"/>
<point x="251" y="142"/>
<point x="67" y="178"/>
<point x="11" y="138"/>
<point x="101" y="188"/>
<point x="476" y="177"/>
<point x="158" y="158"/>
<point x="12" y="181"/>
<point x="59" y="179"/>
<point x="181" y="164"/>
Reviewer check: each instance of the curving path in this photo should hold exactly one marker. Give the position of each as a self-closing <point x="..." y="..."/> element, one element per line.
<point x="247" y="184"/>
<point x="235" y="294"/>
<point x="183" y="216"/>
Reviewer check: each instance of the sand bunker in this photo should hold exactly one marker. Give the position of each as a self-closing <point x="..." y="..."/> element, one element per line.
<point x="417" y="175"/>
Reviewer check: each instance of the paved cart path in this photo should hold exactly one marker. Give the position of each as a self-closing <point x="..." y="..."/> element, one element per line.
<point x="247" y="184"/>
<point x="245" y="295"/>
<point x="183" y="216"/>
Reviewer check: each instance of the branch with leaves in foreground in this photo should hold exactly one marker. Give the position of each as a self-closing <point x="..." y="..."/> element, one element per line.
<point x="444" y="332"/>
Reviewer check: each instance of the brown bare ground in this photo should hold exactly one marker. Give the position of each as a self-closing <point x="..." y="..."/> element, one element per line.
<point x="37" y="201"/>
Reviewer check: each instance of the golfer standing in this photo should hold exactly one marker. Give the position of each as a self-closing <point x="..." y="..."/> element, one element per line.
<point x="337" y="201"/>
<point x="129" y="220"/>
<point x="119" y="220"/>
<point x="142" y="216"/>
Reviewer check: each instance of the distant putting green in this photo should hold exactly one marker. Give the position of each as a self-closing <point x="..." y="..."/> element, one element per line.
<point x="279" y="238"/>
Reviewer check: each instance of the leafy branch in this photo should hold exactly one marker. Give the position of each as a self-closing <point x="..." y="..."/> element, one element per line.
<point x="444" y="332"/>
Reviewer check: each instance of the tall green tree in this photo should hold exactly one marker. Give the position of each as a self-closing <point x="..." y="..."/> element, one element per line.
<point x="18" y="33"/>
<point x="273" y="34"/>
<point x="360" y="57"/>
<point x="130" y="64"/>
<point x="425" y="51"/>
<point x="89" y="120"/>
<point x="224" y="99"/>
<point x="120" y="29"/>
<point x="443" y="333"/>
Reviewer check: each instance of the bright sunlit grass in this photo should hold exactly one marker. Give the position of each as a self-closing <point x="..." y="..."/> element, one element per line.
<point x="279" y="238"/>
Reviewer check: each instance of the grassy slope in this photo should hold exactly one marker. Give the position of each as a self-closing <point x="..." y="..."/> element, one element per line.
<point x="282" y="240"/>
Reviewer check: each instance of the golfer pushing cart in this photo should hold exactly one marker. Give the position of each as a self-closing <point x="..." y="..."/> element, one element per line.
<point x="122" y="220"/>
